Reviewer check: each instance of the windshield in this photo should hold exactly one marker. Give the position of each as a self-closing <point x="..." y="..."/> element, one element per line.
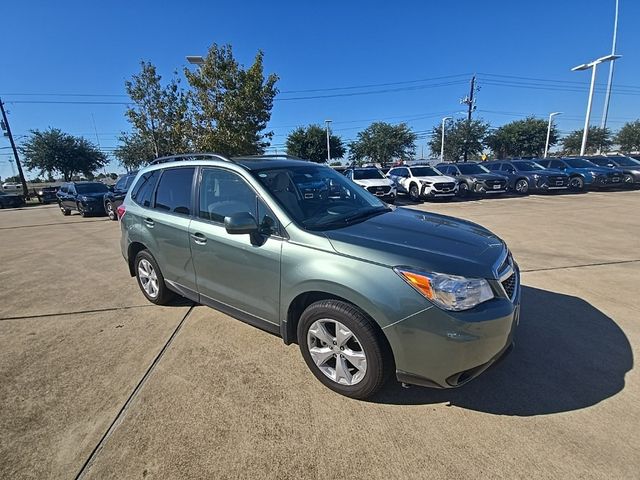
<point x="367" y="174"/>
<point x="527" y="166"/>
<point x="318" y="198"/>
<point x="603" y="162"/>
<point x="425" y="172"/>
<point x="471" y="169"/>
<point x="626" y="162"/>
<point x="91" y="188"/>
<point x="578" y="163"/>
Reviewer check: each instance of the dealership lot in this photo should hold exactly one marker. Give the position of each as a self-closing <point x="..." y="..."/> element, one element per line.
<point x="97" y="382"/>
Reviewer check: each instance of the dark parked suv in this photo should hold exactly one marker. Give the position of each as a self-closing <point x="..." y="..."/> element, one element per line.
<point x="474" y="179"/>
<point x="365" y="289"/>
<point x="85" y="197"/>
<point x="113" y="199"/>
<point x="584" y="174"/>
<point x="527" y="176"/>
<point x="630" y="167"/>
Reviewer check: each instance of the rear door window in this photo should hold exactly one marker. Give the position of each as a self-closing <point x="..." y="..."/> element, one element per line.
<point x="143" y="189"/>
<point x="557" y="164"/>
<point x="173" y="194"/>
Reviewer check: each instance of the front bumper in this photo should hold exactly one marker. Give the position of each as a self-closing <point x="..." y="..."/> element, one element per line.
<point x="442" y="349"/>
<point x="93" y="207"/>
<point x="430" y="192"/>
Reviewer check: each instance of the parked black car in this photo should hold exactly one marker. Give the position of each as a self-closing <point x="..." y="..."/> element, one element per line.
<point x="630" y="167"/>
<point x="47" y="194"/>
<point x="527" y="176"/>
<point x="85" y="197"/>
<point x="11" y="200"/>
<point x="114" y="198"/>
<point x="474" y="178"/>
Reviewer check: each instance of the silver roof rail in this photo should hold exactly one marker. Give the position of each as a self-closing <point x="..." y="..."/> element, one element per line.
<point x="269" y="157"/>
<point x="183" y="157"/>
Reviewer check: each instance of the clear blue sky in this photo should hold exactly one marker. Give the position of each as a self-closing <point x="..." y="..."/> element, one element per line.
<point x="79" y="47"/>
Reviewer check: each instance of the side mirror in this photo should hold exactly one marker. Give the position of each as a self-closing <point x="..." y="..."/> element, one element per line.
<point x="240" y="223"/>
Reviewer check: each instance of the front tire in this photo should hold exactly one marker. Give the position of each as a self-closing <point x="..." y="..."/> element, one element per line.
<point x="522" y="186"/>
<point x="343" y="349"/>
<point x="414" y="193"/>
<point x="111" y="212"/>
<point x="576" y="184"/>
<point x="463" y="190"/>
<point x="150" y="279"/>
<point x="65" y="211"/>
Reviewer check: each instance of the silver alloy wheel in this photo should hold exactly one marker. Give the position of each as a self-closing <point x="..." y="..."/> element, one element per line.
<point x="522" y="186"/>
<point x="148" y="278"/>
<point x="110" y="212"/>
<point x="336" y="351"/>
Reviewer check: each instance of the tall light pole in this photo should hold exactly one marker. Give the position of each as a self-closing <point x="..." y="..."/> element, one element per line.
<point x="593" y="66"/>
<point x="327" y="122"/>
<point x="605" y="111"/>
<point x="444" y="120"/>
<point x="546" y="145"/>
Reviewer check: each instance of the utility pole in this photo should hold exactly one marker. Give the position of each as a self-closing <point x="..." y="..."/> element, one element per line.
<point x="327" y="122"/>
<point x="607" y="97"/>
<point x="470" y="102"/>
<point x="25" y="192"/>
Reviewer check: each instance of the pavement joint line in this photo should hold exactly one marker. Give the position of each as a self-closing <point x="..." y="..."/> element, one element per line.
<point x="79" y="312"/>
<point x="53" y="224"/>
<point x="125" y="407"/>
<point x="619" y="262"/>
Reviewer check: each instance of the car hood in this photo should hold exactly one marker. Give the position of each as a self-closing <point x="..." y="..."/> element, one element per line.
<point x="422" y="240"/>
<point x="96" y="195"/>
<point x="374" y="182"/>
<point x="437" y="178"/>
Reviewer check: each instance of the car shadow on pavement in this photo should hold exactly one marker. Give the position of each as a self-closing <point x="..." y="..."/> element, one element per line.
<point x="568" y="355"/>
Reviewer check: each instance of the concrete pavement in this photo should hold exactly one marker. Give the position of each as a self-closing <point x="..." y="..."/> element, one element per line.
<point x="107" y="395"/>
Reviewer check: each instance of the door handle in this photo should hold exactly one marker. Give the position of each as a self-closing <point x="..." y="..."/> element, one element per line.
<point x="199" y="238"/>
<point x="149" y="222"/>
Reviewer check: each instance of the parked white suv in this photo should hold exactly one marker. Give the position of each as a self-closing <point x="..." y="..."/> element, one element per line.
<point x="423" y="181"/>
<point x="11" y="186"/>
<point x="374" y="181"/>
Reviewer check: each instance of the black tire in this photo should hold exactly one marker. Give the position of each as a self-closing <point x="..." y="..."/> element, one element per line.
<point x="521" y="187"/>
<point x="111" y="212"/>
<point x="65" y="211"/>
<point x="463" y="190"/>
<point x="576" y="183"/>
<point x="379" y="360"/>
<point x="414" y="192"/>
<point x="164" y="295"/>
<point x="81" y="210"/>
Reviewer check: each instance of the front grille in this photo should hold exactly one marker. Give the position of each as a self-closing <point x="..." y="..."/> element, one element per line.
<point x="509" y="285"/>
<point x="554" y="179"/>
<point x="379" y="190"/>
<point x="444" y="186"/>
<point x="614" y="177"/>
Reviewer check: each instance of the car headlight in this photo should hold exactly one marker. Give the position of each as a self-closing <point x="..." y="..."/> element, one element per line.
<point x="425" y="182"/>
<point x="40" y="192"/>
<point x="536" y="176"/>
<point x="449" y="292"/>
<point x="87" y="199"/>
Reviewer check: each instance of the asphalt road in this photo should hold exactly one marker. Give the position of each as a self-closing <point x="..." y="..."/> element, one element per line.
<point x="97" y="383"/>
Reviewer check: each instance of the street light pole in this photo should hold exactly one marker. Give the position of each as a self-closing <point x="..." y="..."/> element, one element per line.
<point x="23" y="181"/>
<point x="593" y="66"/>
<point x="607" y="98"/>
<point x="327" y="122"/>
<point x="546" y="145"/>
<point x="444" y="120"/>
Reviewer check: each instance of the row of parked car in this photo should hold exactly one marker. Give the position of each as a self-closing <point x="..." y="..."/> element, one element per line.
<point x="521" y="176"/>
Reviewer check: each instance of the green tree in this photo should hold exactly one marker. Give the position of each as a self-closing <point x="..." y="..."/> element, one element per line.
<point x="134" y="151"/>
<point x="382" y="142"/>
<point x="231" y="105"/>
<point x="521" y="138"/>
<point x="629" y="137"/>
<point x="460" y="136"/>
<point x="311" y="143"/>
<point x="160" y="114"/>
<point x="598" y="138"/>
<point x="52" y="151"/>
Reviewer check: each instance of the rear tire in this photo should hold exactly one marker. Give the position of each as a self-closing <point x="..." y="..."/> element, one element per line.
<point x="362" y="361"/>
<point x="65" y="211"/>
<point x="150" y="279"/>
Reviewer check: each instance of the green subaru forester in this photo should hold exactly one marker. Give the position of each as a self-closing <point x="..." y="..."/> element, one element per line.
<point x="292" y="247"/>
